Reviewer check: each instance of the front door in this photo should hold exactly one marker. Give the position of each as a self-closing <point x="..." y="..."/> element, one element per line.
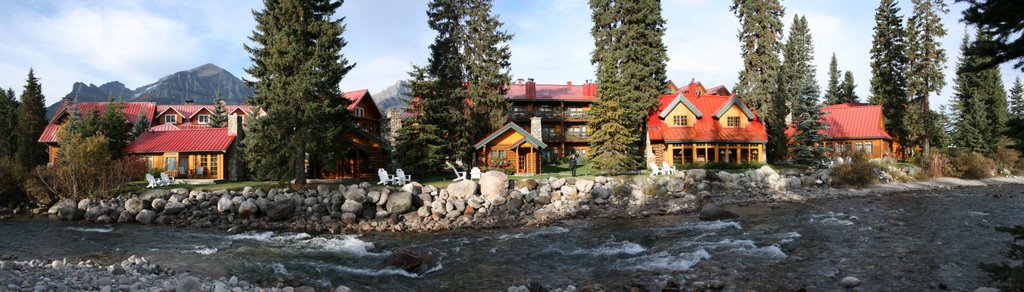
<point x="183" y="166"/>
<point x="521" y="160"/>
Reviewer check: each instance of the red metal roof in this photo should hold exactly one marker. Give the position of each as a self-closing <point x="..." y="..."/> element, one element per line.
<point x="190" y="140"/>
<point x="132" y="110"/>
<point x="354" y="97"/>
<point x="852" y="121"/>
<point x="567" y="92"/>
<point x="707" y="128"/>
<point x="189" y="110"/>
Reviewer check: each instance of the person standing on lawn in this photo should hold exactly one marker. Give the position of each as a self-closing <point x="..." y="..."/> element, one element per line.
<point x="573" y="163"/>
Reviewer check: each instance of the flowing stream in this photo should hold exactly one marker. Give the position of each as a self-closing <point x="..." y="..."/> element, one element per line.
<point x="922" y="240"/>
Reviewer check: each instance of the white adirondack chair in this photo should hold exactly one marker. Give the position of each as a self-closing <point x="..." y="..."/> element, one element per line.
<point x="401" y="178"/>
<point x="667" y="169"/>
<point x="655" y="170"/>
<point x="152" y="181"/>
<point x="475" y="173"/>
<point x="459" y="175"/>
<point x="384" y="177"/>
<point x="167" y="179"/>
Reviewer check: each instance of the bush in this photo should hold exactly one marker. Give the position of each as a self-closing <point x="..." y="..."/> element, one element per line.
<point x="968" y="164"/>
<point x="1007" y="158"/>
<point x="84" y="169"/>
<point x="857" y="173"/>
<point x="723" y="165"/>
<point x="11" y="176"/>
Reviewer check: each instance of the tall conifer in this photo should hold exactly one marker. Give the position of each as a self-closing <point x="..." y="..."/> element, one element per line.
<point x="926" y="60"/>
<point x="1017" y="99"/>
<point x="991" y="90"/>
<point x="219" y="117"/>
<point x="31" y="122"/>
<point x="888" y="67"/>
<point x="832" y="92"/>
<point x="760" y="45"/>
<point x="487" y="67"/>
<point x="8" y="123"/>
<point x="114" y="126"/>
<point x="798" y="62"/>
<point x="297" y="67"/>
<point x="972" y="115"/>
<point x="847" y="89"/>
<point x="808" y="121"/>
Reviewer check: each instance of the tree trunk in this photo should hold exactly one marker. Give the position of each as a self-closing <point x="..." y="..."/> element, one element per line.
<point x="300" y="166"/>
<point x="927" y="126"/>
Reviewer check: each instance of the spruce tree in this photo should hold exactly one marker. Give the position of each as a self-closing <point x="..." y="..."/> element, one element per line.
<point x="487" y="67"/>
<point x="809" y="122"/>
<point x="219" y="117"/>
<point x="926" y="60"/>
<point x="832" y="92"/>
<point x="297" y="67"/>
<point x="1017" y="99"/>
<point x="888" y="67"/>
<point x="991" y="91"/>
<point x="8" y="123"/>
<point x="847" y="89"/>
<point x="798" y="62"/>
<point x="760" y="44"/>
<point x="31" y="123"/>
<point x="972" y="114"/>
<point x="114" y="126"/>
<point x="141" y="125"/>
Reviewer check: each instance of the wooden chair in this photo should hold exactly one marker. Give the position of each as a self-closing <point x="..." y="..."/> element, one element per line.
<point x="401" y="178"/>
<point x="152" y="181"/>
<point x="475" y="173"/>
<point x="167" y="179"/>
<point x="459" y="175"/>
<point x="384" y="177"/>
<point x="655" y="170"/>
<point x="667" y="169"/>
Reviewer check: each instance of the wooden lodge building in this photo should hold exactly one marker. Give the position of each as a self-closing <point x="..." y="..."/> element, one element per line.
<point x="694" y="124"/>
<point x="857" y="127"/>
<point x="563" y="109"/>
<point x="512" y="147"/>
<point x="368" y="152"/>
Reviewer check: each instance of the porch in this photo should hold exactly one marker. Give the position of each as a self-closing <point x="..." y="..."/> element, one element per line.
<point x="188" y="166"/>
<point x="687" y="153"/>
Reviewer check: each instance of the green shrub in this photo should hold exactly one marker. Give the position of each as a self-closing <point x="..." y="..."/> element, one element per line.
<point x="11" y="177"/>
<point x="84" y="169"/>
<point x="857" y="173"/>
<point x="721" y="165"/>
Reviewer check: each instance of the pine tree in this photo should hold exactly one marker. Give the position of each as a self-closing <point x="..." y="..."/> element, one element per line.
<point x="798" y="62"/>
<point x="1003" y="19"/>
<point x="1017" y="99"/>
<point x="141" y="125"/>
<point x="487" y="67"/>
<point x="972" y="116"/>
<point x="760" y="44"/>
<point x="114" y="126"/>
<point x="219" y="118"/>
<point x="832" y="92"/>
<point x="613" y="142"/>
<point x="31" y="123"/>
<point x="847" y="89"/>
<point x="888" y="68"/>
<point x="297" y="67"/>
<point x="991" y="91"/>
<point x="420" y="142"/>
<point x="8" y="123"/>
<point x="926" y="60"/>
<point x="809" y="122"/>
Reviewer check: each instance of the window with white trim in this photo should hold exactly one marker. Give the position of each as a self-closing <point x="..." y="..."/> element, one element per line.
<point x="733" y="121"/>
<point x="171" y="119"/>
<point x="359" y="112"/>
<point x="204" y="119"/>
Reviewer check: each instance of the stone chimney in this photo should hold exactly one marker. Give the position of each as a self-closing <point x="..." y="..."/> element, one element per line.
<point x="535" y="128"/>
<point x="568" y="83"/>
<point x="234" y="125"/>
<point x="531" y="88"/>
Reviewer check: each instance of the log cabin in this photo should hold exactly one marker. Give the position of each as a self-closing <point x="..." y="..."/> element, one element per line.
<point x="856" y="127"/>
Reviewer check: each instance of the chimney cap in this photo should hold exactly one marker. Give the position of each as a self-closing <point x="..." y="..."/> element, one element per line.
<point x="529" y="79"/>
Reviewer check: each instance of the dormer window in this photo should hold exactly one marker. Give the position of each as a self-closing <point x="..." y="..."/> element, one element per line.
<point x="359" y="112"/>
<point x="204" y="119"/>
<point x="733" y="121"/>
<point x="680" y="120"/>
<point x="171" y="119"/>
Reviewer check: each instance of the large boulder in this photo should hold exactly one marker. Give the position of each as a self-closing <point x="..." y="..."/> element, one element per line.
<point x="584" y="186"/>
<point x="84" y="204"/>
<point x="154" y="194"/>
<point x="355" y="194"/>
<point x="280" y="210"/>
<point x="173" y="208"/>
<point x="351" y="206"/>
<point x="125" y="217"/>
<point x="675" y="185"/>
<point x="411" y="261"/>
<point x="413" y="188"/>
<point x="557" y="183"/>
<point x="322" y="190"/>
<point x="493" y="183"/>
<point x="95" y="212"/>
<point x="145" y="217"/>
<point x="711" y="212"/>
<point x="399" y="202"/>
<point x="462" y="189"/>
<point x="601" y="193"/>
<point x="697" y="174"/>
<point x="134" y="205"/>
<point x="158" y="204"/>
<point x="70" y="213"/>
<point x="248" y="209"/>
<point x="225" y="204"/>
<point x="530" y="184"/>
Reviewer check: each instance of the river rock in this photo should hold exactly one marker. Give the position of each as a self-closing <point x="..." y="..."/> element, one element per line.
<point x="133" y="205"/>
<point x="557" y="183"/>
<point x="515" y="204"/>
<point x="850" y="282"/>
<point x="601" y="193"/>
<point x="374" y="197"/>
<point x="462" y="189"/>
<point x="94" y="213"/>
<point x="475" y="202"/>
<point x="711" y="212"/>
<point x="697" y="174"/>
<point x="569" y="191"/>
<point x="348" y="218"/>
<point x="675" y="185"/>
<point x="173" y="208"/>
<point x="104" y="219"/>
<point x="84" y="204"/>
<point x="158" y="204"/>
<point x="225" y="204"/>
<point x="351" y="206"/>
<point x="153" y="194"/>
<point x="322" y="190"/>
<point x="145" y="216"/>
<point x="355" y="194"/>
<point x="423" y="211"/>
<point x="248" y="209"/>
<point x="399" y="202"/>
<point x="584" y="186"/>
<point x="530" y="184"/>
<point x="493" y="183"/>
<point x="188" y="284"/>
<point x="413" y="188"/>
<point x="70" y="213"/>
<point x="280" y="210"/>
<point x="411" y="261"/>
<point x="542" y="199"/>
<point x="125" y="217"/>
<point x="383" y="199"/>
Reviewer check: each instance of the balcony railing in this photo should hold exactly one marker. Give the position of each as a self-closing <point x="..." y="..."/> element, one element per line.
<point x="577" y="115"/>
<point x="575" y="136"/>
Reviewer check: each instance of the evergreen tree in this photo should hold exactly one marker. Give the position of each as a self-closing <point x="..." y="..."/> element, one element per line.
<point x="991" y="91"/>
<point x="926" y="60"/>
<point x="219" y="118"/>
<point x="1017" y="99"/>
<point x="832" y="92"/>
<point x="420" y="142"/>
<point x="8" y="123"/>
<point x="972" y="115"/>
<point x="760" y="44"/>
<point x="798" y="62"/>
<point x="847" y="89"/>
<point x="888" y="67"/>
<point x="297" y="66"/>
<point x="809" y="122"/>
<point x="487" y="67"/>
<point x="1004" y="19"/>
<point x="31" y="123"/>
<point x="113" y="125"/>
<point x="630" y="57"/>
<point x="141" y="125"/>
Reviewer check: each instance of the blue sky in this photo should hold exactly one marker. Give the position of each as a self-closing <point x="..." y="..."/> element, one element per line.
<point x="137" y="42"/>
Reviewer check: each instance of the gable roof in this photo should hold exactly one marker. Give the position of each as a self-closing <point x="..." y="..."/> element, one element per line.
<point x="358" y="96"/>
<point x="734" y="101"/>
<point x="851" y="121"/>
<point x="188" y="140"/>
<point x="510" y="126"/>
<point x="704" y="129"/>
<point x="680" y="99"/>
<point x="132" y="111"/>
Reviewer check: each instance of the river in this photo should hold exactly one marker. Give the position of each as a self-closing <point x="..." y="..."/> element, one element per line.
<point x="924" y="240"/>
